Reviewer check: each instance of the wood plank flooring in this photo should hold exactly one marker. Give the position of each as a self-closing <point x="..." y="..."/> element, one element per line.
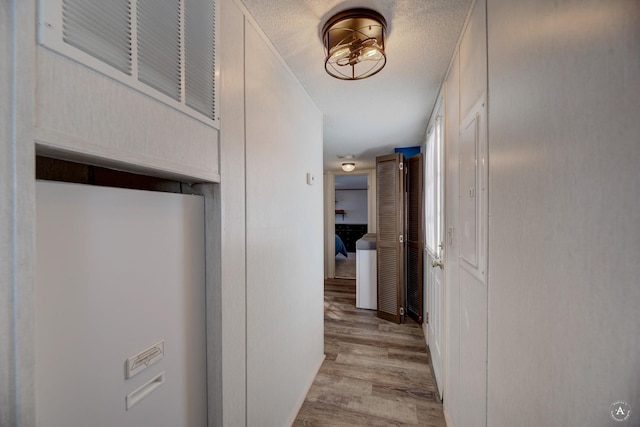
<point x="376" y="373"/>
<point x="346" y="267"/>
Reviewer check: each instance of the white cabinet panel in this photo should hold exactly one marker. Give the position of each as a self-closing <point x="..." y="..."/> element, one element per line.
<point x="366" y="279"/>
<point x="468" y="192"/>
<point x="473" y="59"/>
<point x="117" y="272"/>
<point x="473" y="351"/>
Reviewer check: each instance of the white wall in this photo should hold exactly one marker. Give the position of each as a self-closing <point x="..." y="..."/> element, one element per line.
<point x="17" y="207"/>
<point x="471" y="230"/>
<point x="466" y="200"/>
<point x="118" y="271"/>
<point x="7" y="216"/>
<point x="354" y="203"/>
<point x="284" y="237"/>
<point x="143" y="136"/>
<point x="564" y="240"/>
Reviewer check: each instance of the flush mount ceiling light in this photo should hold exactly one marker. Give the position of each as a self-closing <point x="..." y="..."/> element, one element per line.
<point x="348" y="166"/>
<point x="354" y="44"/>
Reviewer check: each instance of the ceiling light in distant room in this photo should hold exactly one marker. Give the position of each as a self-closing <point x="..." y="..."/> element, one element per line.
<point x="354" y="44"/>
<point x="348" y="166"/>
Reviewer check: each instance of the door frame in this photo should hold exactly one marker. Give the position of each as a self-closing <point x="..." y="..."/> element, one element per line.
<point x="430" y="257"/>
<point x="329" y="214"/>
<point x="415" y="168"/>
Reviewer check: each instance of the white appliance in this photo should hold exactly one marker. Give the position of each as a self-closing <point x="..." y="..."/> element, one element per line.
<point x="120" y="316"/>
<point x="366" y="274"/>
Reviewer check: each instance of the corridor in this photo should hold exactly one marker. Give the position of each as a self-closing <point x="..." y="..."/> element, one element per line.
<point x="376" y="373"/>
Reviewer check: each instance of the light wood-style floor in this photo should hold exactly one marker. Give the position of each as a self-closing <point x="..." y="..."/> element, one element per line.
<point x="376" y="373"/>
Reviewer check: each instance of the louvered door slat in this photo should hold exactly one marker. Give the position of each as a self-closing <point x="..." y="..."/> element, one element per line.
<point x="387" y="295"/>
<point x="389" y="248"/>
<point x="200" y="56"/>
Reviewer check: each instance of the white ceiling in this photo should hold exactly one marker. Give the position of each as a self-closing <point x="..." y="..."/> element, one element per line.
<point x="370" y="117"/>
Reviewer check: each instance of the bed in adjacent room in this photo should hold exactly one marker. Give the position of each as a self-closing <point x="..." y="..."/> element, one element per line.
<point x="340" y="247"/>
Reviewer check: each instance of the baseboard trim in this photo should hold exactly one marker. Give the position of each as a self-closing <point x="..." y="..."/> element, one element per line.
<point x="447" y="419"/>
<point x="306" y="391"/>
<point x="433" y="374"/>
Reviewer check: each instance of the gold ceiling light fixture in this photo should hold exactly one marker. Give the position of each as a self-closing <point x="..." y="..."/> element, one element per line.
<point x="354" y="42"/>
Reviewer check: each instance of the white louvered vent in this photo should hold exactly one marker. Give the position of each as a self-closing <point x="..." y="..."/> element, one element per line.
<point x="101" y="29"/>
<point x="163" y="48"/>
<point x="159" y="45"/>
<point x="200" y="56"/>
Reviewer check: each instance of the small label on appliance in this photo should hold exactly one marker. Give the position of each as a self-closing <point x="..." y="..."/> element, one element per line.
<point x="142" y="360"/>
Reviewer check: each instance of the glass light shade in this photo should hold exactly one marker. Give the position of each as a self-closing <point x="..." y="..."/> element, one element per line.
<point x="354" y="44"/>
<point x="348" y="166"/>
<point x="372" y="53"/>
<point x="339" y="52"/>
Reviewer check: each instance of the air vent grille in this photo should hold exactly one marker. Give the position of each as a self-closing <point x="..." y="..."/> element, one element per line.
<point x="163" y="48"/>
<point x="200" y="56"/>
<point x="101" y="29"/>
<point x="159" y="45"/>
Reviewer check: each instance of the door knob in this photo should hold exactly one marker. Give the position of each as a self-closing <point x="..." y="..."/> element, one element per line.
<point x="437" y="263"/>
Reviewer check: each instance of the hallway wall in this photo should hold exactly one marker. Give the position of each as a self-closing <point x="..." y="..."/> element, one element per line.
<point x="7" y="218"/>
<point x="284" y="232"/>
<point x="564" y="240"/>
<point x="148" y="137"/>
<point x="354" y="203"/>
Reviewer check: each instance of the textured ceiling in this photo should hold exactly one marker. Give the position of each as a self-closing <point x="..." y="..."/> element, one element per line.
<point x="370" y="117"/>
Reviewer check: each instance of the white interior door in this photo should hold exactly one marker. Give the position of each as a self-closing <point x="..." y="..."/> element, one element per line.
<point x="434" y="253"/>
<point x="118" y="272"/>
<point x="452" y="291"/>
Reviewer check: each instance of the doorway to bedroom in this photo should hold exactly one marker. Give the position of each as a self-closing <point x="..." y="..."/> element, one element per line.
<point x="351" y="221"/>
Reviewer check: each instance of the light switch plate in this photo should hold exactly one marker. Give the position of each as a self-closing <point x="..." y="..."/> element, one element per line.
<point x="311" y="178"/>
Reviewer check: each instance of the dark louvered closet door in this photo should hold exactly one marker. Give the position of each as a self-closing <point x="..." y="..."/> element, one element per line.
<point x="389" y="242"/>
<point x="414" y="238"/>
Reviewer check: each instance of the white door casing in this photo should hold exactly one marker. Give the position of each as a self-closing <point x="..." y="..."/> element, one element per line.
<point x="452" y="291"/>
<point x="434" y="246"/>
<point x="329" y="214"/>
